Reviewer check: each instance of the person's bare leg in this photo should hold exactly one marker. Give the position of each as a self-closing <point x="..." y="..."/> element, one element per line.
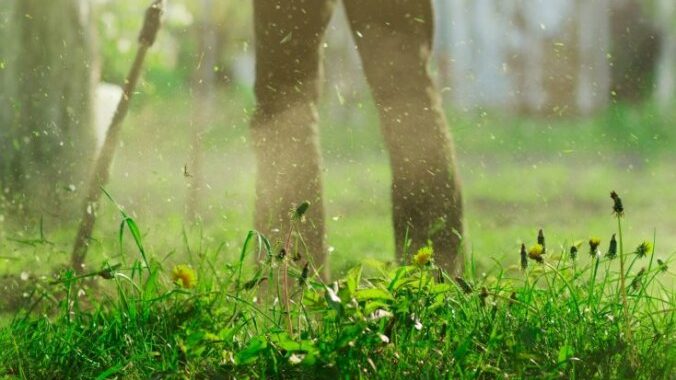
<point x="394" y="38"/>
<point x="283" y="129"/>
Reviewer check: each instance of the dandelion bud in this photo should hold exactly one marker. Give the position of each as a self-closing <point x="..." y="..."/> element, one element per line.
<point x="304" y="274"/>
<point x="662" y="265"/>
<point x="644" y="248"/>
<point x="524" y="257"/>
<point x="594" y="246"/>
<point x="612" y="248"/>
<point x="618" y="208"/>
<point x="300" y="211"/>
<point x="573" y="252"/>
<point x="636" y="282"/>
<point x="466" y="288"/>
<point x="483" y="296"/>
<point x="541" y="241"/>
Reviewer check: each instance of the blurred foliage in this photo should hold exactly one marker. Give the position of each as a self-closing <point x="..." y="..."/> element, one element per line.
<point x="177" y="53"/>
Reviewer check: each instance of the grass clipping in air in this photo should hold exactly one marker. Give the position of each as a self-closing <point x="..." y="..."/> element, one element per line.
<point x="552" y="313"/>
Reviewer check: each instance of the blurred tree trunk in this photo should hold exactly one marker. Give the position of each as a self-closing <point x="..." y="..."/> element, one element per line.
<point x="46" y="139"/>
<point x="635" y="49"/>
<point x="666" y="66"/>
<point x="443" y="42"/>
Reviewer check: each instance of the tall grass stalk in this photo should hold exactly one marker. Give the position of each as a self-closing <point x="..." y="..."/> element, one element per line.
<point x="623" y="288"/>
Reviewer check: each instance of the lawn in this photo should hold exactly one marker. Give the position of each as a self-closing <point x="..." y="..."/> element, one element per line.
<point x="562" y="318"/>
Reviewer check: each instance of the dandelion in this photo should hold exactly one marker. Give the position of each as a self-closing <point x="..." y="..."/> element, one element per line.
<point x="423" y="256"/>
<point x="618" y="208"/>
<point x="535" y="253"/>
<point x="612" y="248"/>
<point x="184" y="276"/>
<point x="644" y="248"/>
<point x="541" y="241"/>
<point x="594" y="246"/>
<point x="524" y="257"/>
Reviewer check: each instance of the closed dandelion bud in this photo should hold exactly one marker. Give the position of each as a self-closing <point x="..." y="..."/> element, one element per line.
<point x="618" y="208"/>
<point x="594" y="246"/>
<point x="466" y="288"/>
<point x="483" y="295"/>
<point x="644" y="248"/>
<point x="612" y="248"/>
<point x="300" y="211"/>
<point x="304" y="274"/>
<point x="524" y="257"/>
<point x="662" y="265"/>
<point x="636" y="282"/>
<point x="541" y="241"/>
<point x="535" y="253"/>
<point x="442" y="333"/>
<point x="573" y="252"/>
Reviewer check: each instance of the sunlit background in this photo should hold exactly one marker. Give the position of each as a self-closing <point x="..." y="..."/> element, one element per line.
<point x="552" y="104"/>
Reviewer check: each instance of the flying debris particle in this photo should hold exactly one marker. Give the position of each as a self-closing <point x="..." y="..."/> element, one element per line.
<point x="286" y="38"/>
<point x="341" y="100"/>
<point x="296" y="358"/>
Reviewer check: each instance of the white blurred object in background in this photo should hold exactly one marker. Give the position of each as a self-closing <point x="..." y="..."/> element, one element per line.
<point x="106" y="97"/>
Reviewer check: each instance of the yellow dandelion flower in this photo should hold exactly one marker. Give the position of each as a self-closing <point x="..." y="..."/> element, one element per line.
<point x="535" y="253"/>
<point x="423" y="256"/>
<point x="184" y="276"/>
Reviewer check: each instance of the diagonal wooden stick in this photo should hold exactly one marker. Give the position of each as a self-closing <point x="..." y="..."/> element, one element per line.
<point x="101" y="172"/>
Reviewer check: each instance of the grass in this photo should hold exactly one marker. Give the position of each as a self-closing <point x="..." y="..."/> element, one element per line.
<point x="564" y="317"/>
<point x="519" y="175"/>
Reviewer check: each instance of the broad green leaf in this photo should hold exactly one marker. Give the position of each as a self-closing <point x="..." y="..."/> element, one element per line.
<point x="373" y="294"/>
<point x="250" y="353"/>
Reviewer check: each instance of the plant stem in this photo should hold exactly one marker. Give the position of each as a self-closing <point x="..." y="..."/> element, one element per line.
<point x="623" y="289"/>
<point x="285" y="279"/>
